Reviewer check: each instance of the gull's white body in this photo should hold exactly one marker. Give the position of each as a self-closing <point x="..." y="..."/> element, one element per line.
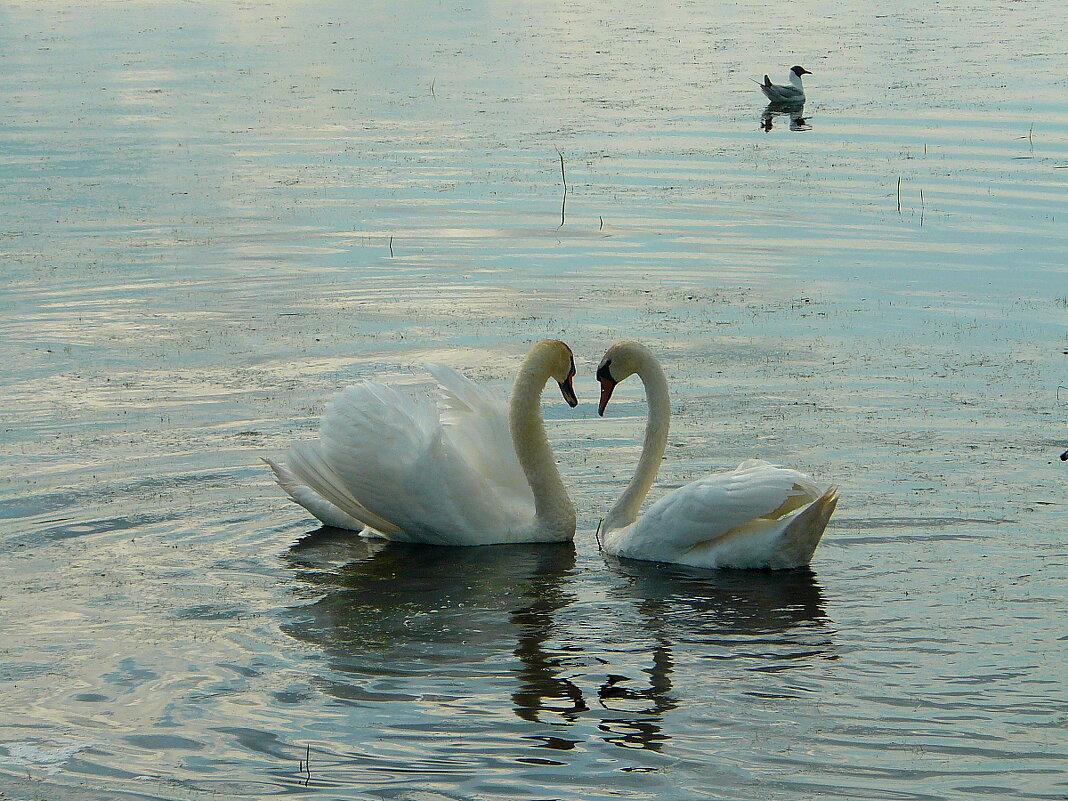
<point x="391" y="465"/>
<point x="780" y="93"/>
<point x="755" y="516"/>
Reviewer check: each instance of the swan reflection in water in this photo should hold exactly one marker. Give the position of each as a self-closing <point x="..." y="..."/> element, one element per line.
<point x="392" y="610"/>
<point x="794" y="111"/>
<point x="724" y="613"/>
<point x="395" y="620"/>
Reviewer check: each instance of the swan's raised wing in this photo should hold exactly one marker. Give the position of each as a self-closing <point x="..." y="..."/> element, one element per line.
<point x="390" y="451"/>
<point x="713" y="506"/>
<point x="476" y="425"/>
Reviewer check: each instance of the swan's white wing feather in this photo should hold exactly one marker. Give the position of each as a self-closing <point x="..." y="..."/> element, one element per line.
<point x="767" y="473"/>
<point x="393" y="454"/>
<point x="714" y="505"/>
<point x="312" y="500"/>
<point x="476" y="424"/>
<point x="459" y="392"/>
<point x="309" y="466"/>
<point x="375" y="438"/>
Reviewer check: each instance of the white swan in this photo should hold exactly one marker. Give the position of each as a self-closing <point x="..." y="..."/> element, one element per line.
<point x="756" y="516"/>
<point x="779" y="93"/>
<point x="389" y="465"/>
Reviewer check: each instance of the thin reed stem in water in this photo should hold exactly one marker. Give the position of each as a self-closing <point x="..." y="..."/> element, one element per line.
<point x="563" y="178"/>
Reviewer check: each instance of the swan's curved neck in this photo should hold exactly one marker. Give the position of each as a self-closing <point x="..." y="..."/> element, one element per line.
<point x="627" y="507"/>
<point x="554" y="512"/>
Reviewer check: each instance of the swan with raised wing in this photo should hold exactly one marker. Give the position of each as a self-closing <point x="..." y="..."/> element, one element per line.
<point x="755" y="516"/>
<point x="391" y="465"/>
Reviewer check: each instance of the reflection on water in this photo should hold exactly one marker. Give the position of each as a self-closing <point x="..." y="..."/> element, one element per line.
<point x="542" y="687"/>
<point x="411" y="610"/>
<point x="393" y="618"/>
<point x="710" y="604"/>
<point x="635" y="718"/>
<point x="794" y="111"/>
<point x="725" y="615"/>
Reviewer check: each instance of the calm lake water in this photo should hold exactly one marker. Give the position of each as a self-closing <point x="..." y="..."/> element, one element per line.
<point x="218" y="214"/>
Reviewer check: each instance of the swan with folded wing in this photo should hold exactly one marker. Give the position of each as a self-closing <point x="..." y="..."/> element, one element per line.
<point x="755" y="516"/>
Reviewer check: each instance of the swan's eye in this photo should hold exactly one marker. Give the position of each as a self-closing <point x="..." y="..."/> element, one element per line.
<point x="571" y="372"/>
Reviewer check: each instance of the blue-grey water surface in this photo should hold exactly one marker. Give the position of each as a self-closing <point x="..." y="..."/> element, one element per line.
<point x="217" y="214"/>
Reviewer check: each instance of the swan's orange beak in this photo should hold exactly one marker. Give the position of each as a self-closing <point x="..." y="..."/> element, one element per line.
<point x="607" y="385"/>
<point x="567" y="389"/>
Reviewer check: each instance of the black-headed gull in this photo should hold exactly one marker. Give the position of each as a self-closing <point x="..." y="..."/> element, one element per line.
<point x="794" y="93"/>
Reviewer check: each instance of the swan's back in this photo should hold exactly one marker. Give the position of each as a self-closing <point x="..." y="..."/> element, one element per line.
<point x="731" y="519"/>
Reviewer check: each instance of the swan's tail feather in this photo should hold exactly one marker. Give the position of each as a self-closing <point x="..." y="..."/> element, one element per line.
<point x="302" y="494"/>
<point x="285" y="479"/>
<point x="803" y="533"/>
<point x="311" y="482"/>
<point x="309" y="465"/>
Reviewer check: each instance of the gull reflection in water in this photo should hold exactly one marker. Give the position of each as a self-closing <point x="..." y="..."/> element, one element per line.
<point x="384" y="612"/>
<point x="794" y="111"/>
<point x="723" y="613"/>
